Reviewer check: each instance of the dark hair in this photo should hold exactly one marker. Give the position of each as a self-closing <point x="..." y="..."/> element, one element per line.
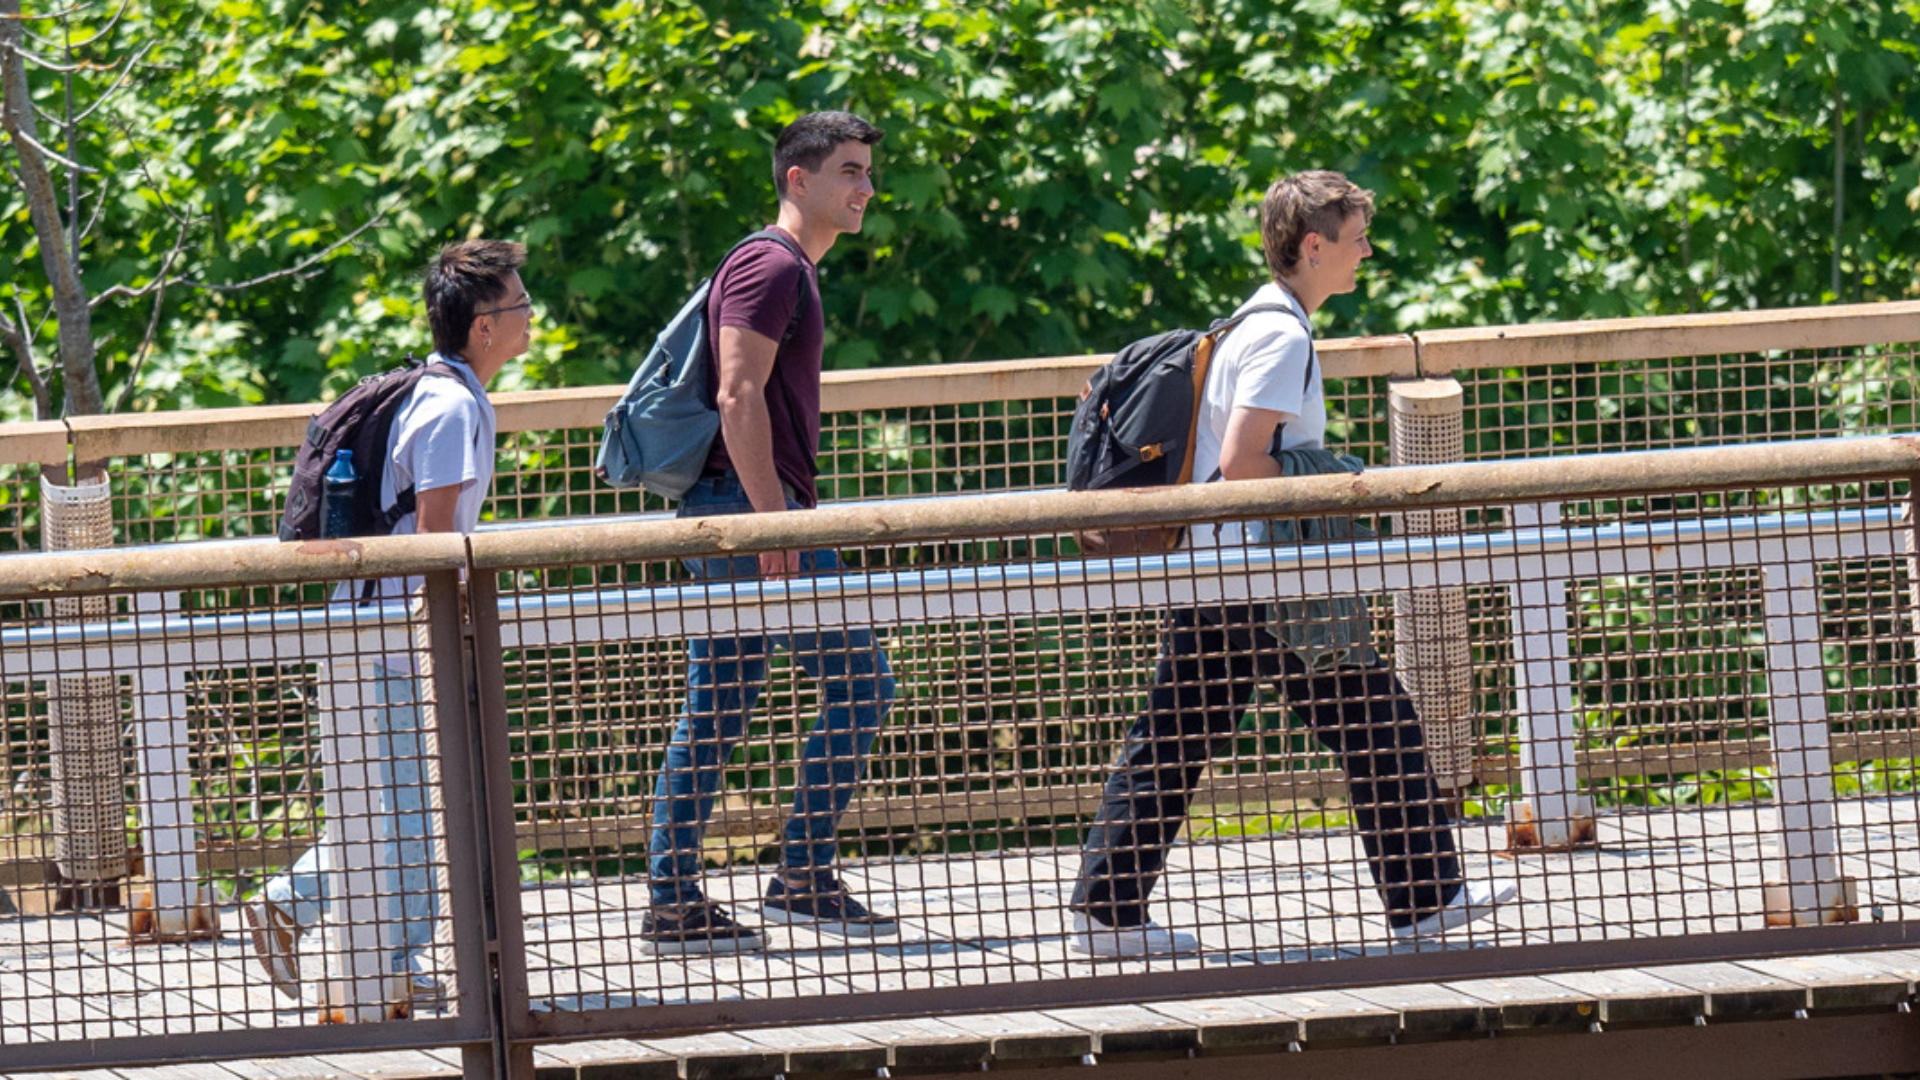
<point x="1318" y="201"/>
<point x="807" y="141"/>
<point x="461" y="278"/>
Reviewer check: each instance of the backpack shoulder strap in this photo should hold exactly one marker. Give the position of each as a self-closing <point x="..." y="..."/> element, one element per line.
<point x="405" y="502"/>
<point x="778" y="237"/>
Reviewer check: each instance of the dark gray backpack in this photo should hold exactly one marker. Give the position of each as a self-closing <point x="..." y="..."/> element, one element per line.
<point x="1135" y="424"/>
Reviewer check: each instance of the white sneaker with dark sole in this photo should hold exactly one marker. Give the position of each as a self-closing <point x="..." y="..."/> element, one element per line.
<point x="1474" y="900"/>
<point x="1120" y="942"/>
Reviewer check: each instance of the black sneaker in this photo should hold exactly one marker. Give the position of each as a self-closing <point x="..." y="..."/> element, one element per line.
<point x="825" y="906"/>
<point x="696" y="928"/>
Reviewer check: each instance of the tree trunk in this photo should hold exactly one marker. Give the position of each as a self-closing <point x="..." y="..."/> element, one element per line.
<point x="71" y="307"/>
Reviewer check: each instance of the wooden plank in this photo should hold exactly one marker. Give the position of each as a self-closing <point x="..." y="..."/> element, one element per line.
<point x="605" y="1059"/>
<point x="41" y="442"/>
<point x="719" y="1056"/>
<point x="1523" y="1003"/>
<point x="1627" y="996"/>
<point x="192" y="431"/>
<point x="182" y="1071"/>
<point x="1837" y="982"/>
<point x="820" y="1048"/>
<point x="289" y="1068"/>
<point x="1233" y="1023"/>
<point x="1734" y="992"/>
<point x="1333" y="1016"/>
<point x="925" y="1045"/>
<point x="1428" y="1009"/>
<point x="1129" y="1029"/>
<point x="390" y="1065"/>
<point x="1026" y="1036"/>
<point x="1592" y="341"/>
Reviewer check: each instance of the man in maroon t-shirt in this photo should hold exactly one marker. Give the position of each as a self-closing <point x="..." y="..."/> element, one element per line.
<point x="766" y="340"/>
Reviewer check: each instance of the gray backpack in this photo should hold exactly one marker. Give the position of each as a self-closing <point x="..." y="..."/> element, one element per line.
<point x="659" y="433"/>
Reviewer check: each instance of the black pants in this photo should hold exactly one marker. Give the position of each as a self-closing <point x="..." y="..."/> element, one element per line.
<point x="1211" y="662"/>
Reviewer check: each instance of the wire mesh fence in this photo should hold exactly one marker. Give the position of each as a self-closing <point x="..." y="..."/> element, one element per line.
<point x="961" y="759"/>
<point x="983" y="763"/>
<point x="272" y="791"/>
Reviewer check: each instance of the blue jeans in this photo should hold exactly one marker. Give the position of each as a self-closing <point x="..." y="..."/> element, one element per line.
<point x="724" y="679"/>
<point x="301" y="890"/>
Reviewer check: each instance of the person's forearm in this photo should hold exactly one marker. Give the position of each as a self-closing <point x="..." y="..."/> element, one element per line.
<point x="1250" y="467"/>
<point x="748" y="430"/>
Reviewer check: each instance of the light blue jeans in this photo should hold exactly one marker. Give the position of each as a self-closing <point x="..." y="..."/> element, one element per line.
<point x="411" y="900"/>
<point x="724" y="679"/>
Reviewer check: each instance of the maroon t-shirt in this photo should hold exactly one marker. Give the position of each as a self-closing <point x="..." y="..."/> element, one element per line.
<point x="757" y="289"/>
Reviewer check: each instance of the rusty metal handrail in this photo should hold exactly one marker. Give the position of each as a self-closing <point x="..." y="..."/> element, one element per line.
<point x="1812" y="461"/>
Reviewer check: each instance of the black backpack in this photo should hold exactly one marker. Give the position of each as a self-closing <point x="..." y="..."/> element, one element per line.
<point x="360" y="420"/>
<point x="1134" y="426"/>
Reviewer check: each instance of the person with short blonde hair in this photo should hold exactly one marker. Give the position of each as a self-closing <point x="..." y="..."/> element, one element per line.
<point x="1263" y="400"/>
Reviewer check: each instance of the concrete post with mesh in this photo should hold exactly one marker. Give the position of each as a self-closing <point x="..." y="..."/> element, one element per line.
<point x="1431" y="653"/>
<point x="87" y="745"/>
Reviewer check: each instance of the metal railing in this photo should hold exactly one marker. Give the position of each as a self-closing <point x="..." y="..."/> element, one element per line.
<point x="1754" y="793"/>
<point x="1621" y="384"/>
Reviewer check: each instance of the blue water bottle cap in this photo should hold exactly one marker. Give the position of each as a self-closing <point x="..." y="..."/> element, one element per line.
<point x="342" y="467"/>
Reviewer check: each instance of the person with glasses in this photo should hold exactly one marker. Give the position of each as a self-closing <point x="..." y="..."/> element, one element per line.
<point x="442" y="445"/>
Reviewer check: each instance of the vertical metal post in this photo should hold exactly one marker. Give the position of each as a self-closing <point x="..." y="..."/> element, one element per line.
<point x="1814" y="891"/>
<point x="1431" y="652"/>
<point x="452" y="712"/>
<point x="1556" y="814"/>
<point x="494" y="817"/>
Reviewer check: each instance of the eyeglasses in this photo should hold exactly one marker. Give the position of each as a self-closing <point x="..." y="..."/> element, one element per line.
<point x="524" y="305"/>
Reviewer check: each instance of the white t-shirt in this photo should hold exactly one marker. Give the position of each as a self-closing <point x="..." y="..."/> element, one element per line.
<point x="443" y="436"/>
<point x="1264" y="363"/>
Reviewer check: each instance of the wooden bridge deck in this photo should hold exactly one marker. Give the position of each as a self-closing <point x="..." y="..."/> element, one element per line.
<point x="997" y="919"/>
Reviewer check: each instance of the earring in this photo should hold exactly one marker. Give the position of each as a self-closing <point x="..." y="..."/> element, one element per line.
<point x="488" y="341"/>
<point x="1313" y="262"/>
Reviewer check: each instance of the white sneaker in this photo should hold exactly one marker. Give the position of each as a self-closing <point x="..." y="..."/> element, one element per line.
<point x="1477" y="898"/>
<point x="1152" y="939"/>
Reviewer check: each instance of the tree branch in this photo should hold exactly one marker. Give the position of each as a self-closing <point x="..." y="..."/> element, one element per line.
<point x="160" y="280"/>
<point x="302" y="269"/>
<point x="125" y="74"/>
<point x="15" y="335"/>
<point x="41" y="148"/>
<point x="140" y="159"/>
<point x="146" y="344"/>
<point x="37" y="60"/>
<point x="112" y="24"/>
<point x="14" y="15"/>
<point x="82" y="380"/>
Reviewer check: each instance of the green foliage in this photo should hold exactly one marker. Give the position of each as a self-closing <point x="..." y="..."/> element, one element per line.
<point x="1057" y="178"/>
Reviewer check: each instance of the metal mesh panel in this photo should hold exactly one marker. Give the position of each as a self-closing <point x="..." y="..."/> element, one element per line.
<point x="203" y="495"/>
<point x="19" y="509"/>
<point x="545" y="474"/>
<point x="1702" y="400"/>
<point x="284" y="764"/>
<point x="1704" y="696"/>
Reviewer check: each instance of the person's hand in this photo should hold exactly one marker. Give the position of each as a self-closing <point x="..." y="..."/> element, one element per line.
<point x="779" y="564"/>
